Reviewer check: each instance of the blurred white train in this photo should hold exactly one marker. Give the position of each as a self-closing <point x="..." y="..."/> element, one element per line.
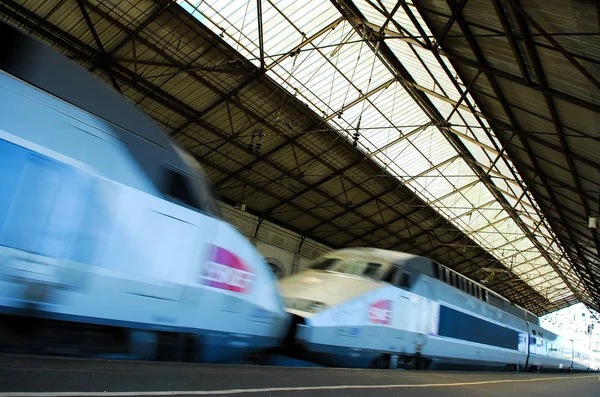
<point x="366" y="307"/>
<point x="111" y="242"/>
<point x="110" y="239"/>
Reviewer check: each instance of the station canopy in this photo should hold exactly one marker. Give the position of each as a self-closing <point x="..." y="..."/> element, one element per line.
<point x="477" y="120"/>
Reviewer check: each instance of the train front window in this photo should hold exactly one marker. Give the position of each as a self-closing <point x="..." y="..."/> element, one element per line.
<point x="324" y="263"/>
<point x="354" y="267"/>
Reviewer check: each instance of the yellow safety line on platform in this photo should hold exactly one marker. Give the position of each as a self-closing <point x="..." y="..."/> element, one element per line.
<point x="278" y="389"/>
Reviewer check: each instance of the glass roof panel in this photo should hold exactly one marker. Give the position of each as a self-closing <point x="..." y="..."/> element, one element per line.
<point x="345" y="81"/>
<point x="406" y="55"/>
<point x="400" y="17"/>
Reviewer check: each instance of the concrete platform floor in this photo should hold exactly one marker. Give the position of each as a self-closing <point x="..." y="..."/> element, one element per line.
<point x="49" y="376"/>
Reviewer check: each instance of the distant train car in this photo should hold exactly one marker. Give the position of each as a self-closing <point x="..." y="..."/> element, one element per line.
<point x="548" y="350"/>
<point x="582" y="358"/>
<point x="595" y="362"/>
<point x="366" y="307"/>
<point x="109" y="234"/>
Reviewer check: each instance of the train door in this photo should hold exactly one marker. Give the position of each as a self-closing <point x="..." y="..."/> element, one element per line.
<point x="420" y="311"/>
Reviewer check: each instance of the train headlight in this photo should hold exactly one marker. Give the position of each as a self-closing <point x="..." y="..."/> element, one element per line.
<point x="316" y="307"/>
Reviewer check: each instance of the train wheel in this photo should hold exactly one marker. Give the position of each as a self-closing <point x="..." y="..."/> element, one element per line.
<point x="382" y="361"/>
<point x="423" y="363"/>
<point x="143" y="344"/>
<point x="511" y="368"/>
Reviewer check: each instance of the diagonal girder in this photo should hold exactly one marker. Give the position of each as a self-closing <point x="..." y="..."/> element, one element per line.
<point x="347" y="8"/>
<point x="491" y="78"/>
<point x="102" y="52"/>
<point x="66" y="41"/>
<point x="519" y="9"/>
<point x="215" y="130"/>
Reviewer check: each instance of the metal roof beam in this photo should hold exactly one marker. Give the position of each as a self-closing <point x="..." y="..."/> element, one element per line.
<point x="554" y="113"/>
<point x="393" y="62"/>
<point x="183" y="67"/>
<point x="385" y="32"/>
<point x="505" y="75"/>
<point x="361" y="98"/>
<point x="445" y="99"/>
<point x="524" y="188"/>
<point x="455" y="13"/>
<point x="517" y="178"/>
<point x="296" y="50"/>
<point x="102" y="52"/>
<point x="157" y="94"/>
<point x="517" y="7"/>
<point x="519" y="80"/>
<point x="261" y="44"/>
<point x="481" y="60"/>
<point x="341" y="173"/>
<point x="456" y="190"/>
<point x="133" y="34"/>
<point x="512" y="41"/>
<point x="500" y="33"/>
<point x="404" y="217"/>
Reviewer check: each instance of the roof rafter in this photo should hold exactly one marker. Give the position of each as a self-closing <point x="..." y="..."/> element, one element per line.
<point x="491" y="78"/>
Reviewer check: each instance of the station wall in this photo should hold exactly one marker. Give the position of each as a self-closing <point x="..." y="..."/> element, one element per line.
<point x="285" y="251"/>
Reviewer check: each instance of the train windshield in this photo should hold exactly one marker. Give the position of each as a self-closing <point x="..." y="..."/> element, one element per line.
<point x="351" y="266"/>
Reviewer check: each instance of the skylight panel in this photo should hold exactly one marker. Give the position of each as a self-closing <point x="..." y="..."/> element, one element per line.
<point x="405" y="54"/>
<point x="341" y="78"/>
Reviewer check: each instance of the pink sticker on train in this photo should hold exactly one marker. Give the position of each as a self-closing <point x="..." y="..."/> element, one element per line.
<point x="224" y="270"/>
<point x="381" y="312"/>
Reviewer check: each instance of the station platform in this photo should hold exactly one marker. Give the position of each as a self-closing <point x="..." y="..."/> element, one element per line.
<point x="26" y="376"/>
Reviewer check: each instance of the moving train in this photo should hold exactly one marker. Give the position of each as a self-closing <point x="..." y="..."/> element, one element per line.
<point x="367" y="307"/>
<point x="111" y="242"/>
<point x="110" y="236"/>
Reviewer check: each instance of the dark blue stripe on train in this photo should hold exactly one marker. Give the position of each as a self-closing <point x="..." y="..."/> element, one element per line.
<point x="458" y="325"/>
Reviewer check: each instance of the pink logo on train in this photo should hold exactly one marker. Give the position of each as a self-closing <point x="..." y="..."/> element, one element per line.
<point x="380" y="312"/>
<point x="224" y="270"/>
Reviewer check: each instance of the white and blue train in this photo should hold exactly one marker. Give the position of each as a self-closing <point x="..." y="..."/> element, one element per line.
<point x="366" y="307"/>
<point x="109" y="230"/>
<point x="111" y="242"/>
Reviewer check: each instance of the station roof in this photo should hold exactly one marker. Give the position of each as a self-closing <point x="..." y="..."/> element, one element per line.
<point x="463" y="131"/>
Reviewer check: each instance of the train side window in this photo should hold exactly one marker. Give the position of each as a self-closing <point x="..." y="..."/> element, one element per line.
<point x="177" y="186"/>
<point x="447" y="276"/>
<point x="323" y="263"/>
<point x="533" y="332"/>
<point x="371" y="270"/>
<point x="405" y="281"/>
<point x="390" y="276"/>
